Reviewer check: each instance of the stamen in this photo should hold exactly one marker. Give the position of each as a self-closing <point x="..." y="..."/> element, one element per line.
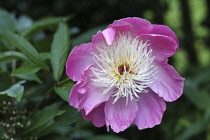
<point x="125" y="67"/>
<point x="133" y="72"/>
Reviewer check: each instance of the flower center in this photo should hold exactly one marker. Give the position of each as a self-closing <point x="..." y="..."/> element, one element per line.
<point x="125" y="67"/>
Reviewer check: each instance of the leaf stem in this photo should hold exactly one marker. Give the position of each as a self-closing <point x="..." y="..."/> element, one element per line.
<point x="13" y="69"/>
<point x="64" y="81"/>
<point x="40" y="102"/>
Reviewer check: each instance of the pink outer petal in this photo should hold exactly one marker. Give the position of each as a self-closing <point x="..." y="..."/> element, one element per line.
<point x="97" y="116"/>
<point x="107" y="36"/>
<point x="79" y="90"/>
<point x="79" y="58"/>
<point x="93" y="97"/>
<point x="164" y="30"/>
<point x="98" y="40"/>
<point x="121" y="26"/>
<point x="76" y="94"/>
<point x="151" y="109"/>
<point x="140" y="26"/>
<point x="162" y="46"/>
<point x="118" y="115"/>
<point x="169" y="84"/>
<point x="86" y="94"/>
<point x="134" y="26"/>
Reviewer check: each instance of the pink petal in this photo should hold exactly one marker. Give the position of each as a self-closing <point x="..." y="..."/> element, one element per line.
<point x="140" y="26"/>
<point x="97" y="115"/>
<point x="118" y="115"/>
<point x="135" y="26"/>
<point x="93" y="97"/>
<point x="109" y="35"/>
<point x="85" y="94"/>
<point x="162" y="46"/>
<point x="79" y="58"/>
<point x="151" y="109"/>
<point x="112" y="31"/>
<point x="93" y="93"/>
<point x="76" y="95"/>
<point x="98" y="40"/>
<point x="169" y="84"/>
<point x="79" y="89"/>
<point x="121" y="26"/>
<point x="164" y="30"/>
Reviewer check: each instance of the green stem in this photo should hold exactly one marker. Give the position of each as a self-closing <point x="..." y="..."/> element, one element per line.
<point x="37" y="106"/>
<point x="63" y="81"/>
<point x="44" y="97"/>
<point x="13" y="69"/>
<point x="40" y="102"/>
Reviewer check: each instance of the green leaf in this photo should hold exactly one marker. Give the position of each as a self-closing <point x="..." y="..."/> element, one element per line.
<point x="45" y="56"/>
<point x="44" y="44"/>
<point x="7" y="21"/>
<point x="43" y="116"/>
<point x="30" y="77"/>
<point x="64" y="90"/>
<point x="15" y="91"/>
<point x="106" y="137"/>
<point x="59" y="50"/>
<point x="10" y="55"/>
<point x="5" y="78"/>
<point x="64" y="123"/>
<point x="45" y="23"/>
<point x="26" y="69"/>
<point x="27" y="72"/>
<point x="196" y="128"/>
<point x="86" y="36"/>
<point x="25" y="47"/>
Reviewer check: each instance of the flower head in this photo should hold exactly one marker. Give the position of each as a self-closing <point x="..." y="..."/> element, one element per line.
<point x="123" y="76"/>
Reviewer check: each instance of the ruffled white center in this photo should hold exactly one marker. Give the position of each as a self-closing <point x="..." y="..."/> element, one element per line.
<point x="125" y="67"/>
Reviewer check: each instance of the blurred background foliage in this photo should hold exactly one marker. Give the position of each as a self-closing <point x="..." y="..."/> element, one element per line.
<point x="36" y="37"/>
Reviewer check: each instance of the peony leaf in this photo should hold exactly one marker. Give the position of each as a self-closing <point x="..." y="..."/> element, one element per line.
<point x="10" y="55"/>
<point x="42" y="24"/>
<point x="64" y="123"/>
<point x="24" y="46"/>
<point x="15" y="91"/>
<point x="43" y="116"/>
<point x="26" y="69"/>
<point x="59" y="50"/>
<point x="7" y="21"/>
<point x="29" y="77"/>
<point x="63" y="91"/>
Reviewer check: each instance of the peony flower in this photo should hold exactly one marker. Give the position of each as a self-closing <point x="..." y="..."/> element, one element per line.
<point x="123" y="77"/>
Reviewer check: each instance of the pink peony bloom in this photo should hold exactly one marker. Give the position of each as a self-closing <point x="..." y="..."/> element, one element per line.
<point x="123" y="77"/>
